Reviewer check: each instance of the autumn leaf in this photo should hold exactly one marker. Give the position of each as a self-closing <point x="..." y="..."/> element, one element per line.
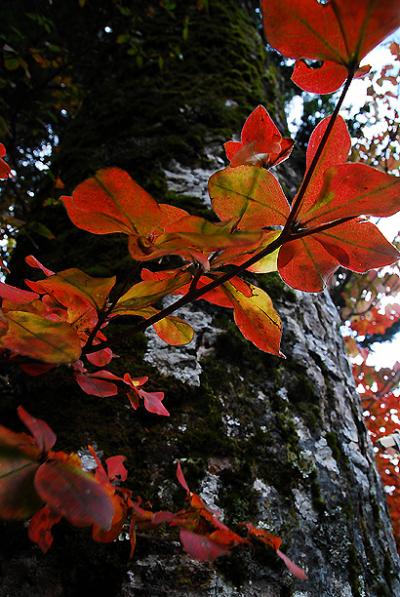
<point x="33" y="262"/>
<point x="100" y="358"/>
<point x="5" y="170"/>
<point x="40" y="526"/>
<point x="73" y="493"/>
<point x="73" y="288"/>
<point x="201" y="547"/>
<point x="20" y="456"/>
<point x="338" y="191"/>
<point x="256" y="317"/>
<point x="115" y="468"/>
<point x="275" y="542"/>
<point x="261" y="142"/>
<point x="112" y="201"/>
<point x="16" y="295"/>
<point x="174" y="330"/>
<point x="18" y="465"/>
<point x="43" y="435"/>
<point x="152" y="400"/>
<point x="181" y="478"/>
<point x="148" y="292"/>
<point x="338" y="32"/>
<point x="249" y="197"/>
<point x="34" y="336"/>
<point x="74" y="296"/>
<point x="101" y="383"/>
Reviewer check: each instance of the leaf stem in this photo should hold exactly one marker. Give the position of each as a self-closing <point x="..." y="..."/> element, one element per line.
<point x="310" y="172"/>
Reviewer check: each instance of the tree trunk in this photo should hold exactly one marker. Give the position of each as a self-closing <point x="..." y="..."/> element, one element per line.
<point x="280" y="443"/>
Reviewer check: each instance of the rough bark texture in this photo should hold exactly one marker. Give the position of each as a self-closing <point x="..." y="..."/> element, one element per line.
<point x="280" y="443"/>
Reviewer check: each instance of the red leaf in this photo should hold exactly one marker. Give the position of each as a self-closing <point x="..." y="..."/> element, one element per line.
<point x="16" y="295"/>
<point x="358" y="245"/>
<point x="120" y="514"/>
<point x="338" y="31"/>
<point x="292" y="567"/>
<point x="97" y="384"/>
<point x="116" y="469"/>
<point x="40" y="525"/>
<point x="275" y="542"/>
<point x="337" y="191"/>
<point x="201" y="547"/>
<point x="261" y="142"/>
<point x="73" y="493"/>
<point x="181" y="478"/>
<point x="335" y="152"/>
<point x="264" y="536"/>
<point x="82" y="295"/>
<point x="100" y="357"/>
<point x="153" y="403"/>
<point x="112" y="202"/>
<point x="351" y="190"/>
<point x="325" y="79"/>
<point x="5" y="169"/>
<point x="306" y="265"/>
<point x="35" y="263"/>
<point x="36" y="368"/>
<point x="152" y="400"/>
<point x="19" y="457"/>
<point x="44" y="436"/>
<point x="18" y="498"/>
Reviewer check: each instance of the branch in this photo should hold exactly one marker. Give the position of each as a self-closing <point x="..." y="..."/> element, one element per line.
<point x="194" y="294"/>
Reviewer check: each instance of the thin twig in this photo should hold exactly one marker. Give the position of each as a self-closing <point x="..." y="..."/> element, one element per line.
<point x="310" y="172"/>
<point x="107" y="309"/>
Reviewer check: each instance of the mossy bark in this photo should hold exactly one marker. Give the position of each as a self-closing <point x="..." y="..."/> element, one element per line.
<point x="276" y="442"/>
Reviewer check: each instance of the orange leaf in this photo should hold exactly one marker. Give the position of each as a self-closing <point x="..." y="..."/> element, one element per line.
<point x="112" y="201"/>
<point x="34" y="336"/>
<point x="338" y="32"/>
<point x="256" y="317"/>
<point x="250" y="197"/>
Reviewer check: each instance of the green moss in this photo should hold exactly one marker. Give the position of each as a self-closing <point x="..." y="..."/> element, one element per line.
<point x="316" y="497"/>
<point x="302" y="395"/>
<point x="194" y="205"/>
<point x="355" y="572"/>
<point x="388" y="571"/>
<point x="232" y="347"/>
<point x="273" y="284"/>
<point x="337" y="452"/>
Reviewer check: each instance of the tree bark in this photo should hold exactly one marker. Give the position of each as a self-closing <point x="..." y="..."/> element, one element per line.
<point x="280" y="443"/>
